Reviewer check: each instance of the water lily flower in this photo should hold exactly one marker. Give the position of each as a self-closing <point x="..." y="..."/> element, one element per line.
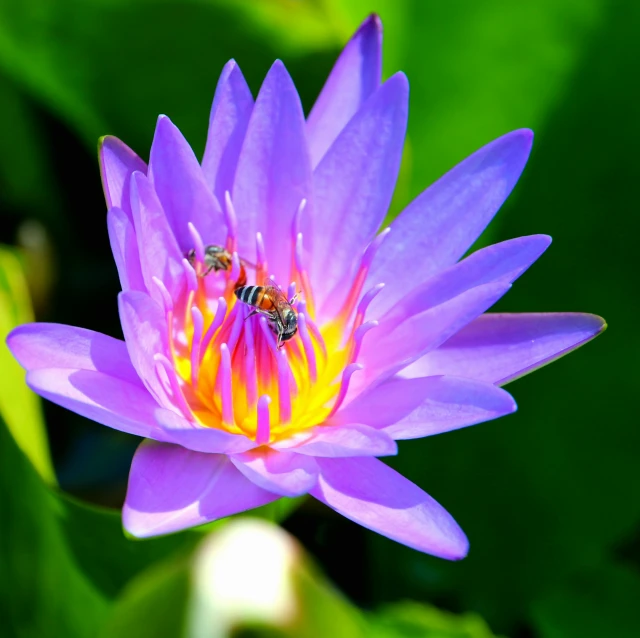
<point x="392" y="338"/>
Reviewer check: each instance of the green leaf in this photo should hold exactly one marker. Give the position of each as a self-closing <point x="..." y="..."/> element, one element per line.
<point x="61" y="562"/>
<point x="413" y="620"/>
<point x="19" y="407"/>
<point x="109" y="66"/>
<point x="546" y="492"/>
<point x="594" y="603"/>
<point x="248" y="579"/>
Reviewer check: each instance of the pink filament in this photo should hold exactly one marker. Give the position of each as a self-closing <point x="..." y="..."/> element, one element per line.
<point x="344" y="385"/>
<point x="226" y="391"/>
<point x="251" y="380"/>
<point x="231" y="221"/>
<point x="284" y="390"/>
<point x="218" y="319"/>
<point x="164" y="293"/>
<point x="263" y="431"/>
<point x="307" y="344"/>
<point x="198" y="325"/>
<point x="198" y="244"/>
<point x="176" y="390"/>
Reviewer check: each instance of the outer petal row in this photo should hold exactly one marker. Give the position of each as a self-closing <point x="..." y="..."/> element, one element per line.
<point x="171" y="488"/>
<point x="442" y="223"/>
<point x="498" y="348"/>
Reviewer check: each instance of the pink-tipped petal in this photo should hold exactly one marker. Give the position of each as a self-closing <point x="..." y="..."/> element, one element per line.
<point x="353" y="185"/>
<point x="117" y="163"/>
<point x="442" y="223"/>
<point x="498" y="348"/>
<point x="159" y="252"/>
<point x="124" y="246"/>
<point x="178" y="180"/>
<point x="370" y="493"/>
<point x="355" y="76"/>
<point x="228" y="122"/>
<point x="118" y="404"/>
<point x="284" y="473"/>
<point x="52" y="345"/>
<point x="200" y="438"/>
<point x="171" y="488"/>
<point x="500" y="263"/>
<point x="340" y="441"/>
<point x="145" y="333"/>
<point x="274" y="173"/>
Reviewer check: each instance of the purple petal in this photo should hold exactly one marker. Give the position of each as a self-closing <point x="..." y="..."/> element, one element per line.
<point x="98" y="396"/>
<point x="285" y="473"/>
<point x="228" y="122"/>
<point x="52" y="345"/>
<point x="413" y="408"/>
<point x="353" y="186"/>
<point x="124" y="246"/>
<point x="451" y="403"/>
<point x="171" y="488"/>
<point x="200" y="438"/>
<point x="117" y="163"/>
<point x="498" y="348"/>
<point x="353" y="439"/>
<point x="274" y="173"/>
<point x="500" y="263"/>
<point x="159" y="251"/>
<point x="442" y="223"/>
<point x="355" y="76"/>
<point x="367" y="491"/>
<point x="182" y="190"/>
<point x="383" y="356"/>
<point x="145" y="333"/>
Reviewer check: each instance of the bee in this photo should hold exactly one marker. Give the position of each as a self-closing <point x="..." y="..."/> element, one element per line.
<point x="271" y="302"/>
<point x="217" y="258"/>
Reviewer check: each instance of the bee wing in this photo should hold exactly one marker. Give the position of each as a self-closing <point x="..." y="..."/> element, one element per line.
<point x="269" y="283"/>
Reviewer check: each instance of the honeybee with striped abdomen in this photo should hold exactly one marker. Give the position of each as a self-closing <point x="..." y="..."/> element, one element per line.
<point x="217" y="258"/>
<point x="270" y="301"/>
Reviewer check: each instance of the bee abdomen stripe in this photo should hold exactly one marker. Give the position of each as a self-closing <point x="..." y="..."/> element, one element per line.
<point x="253" y="300"/>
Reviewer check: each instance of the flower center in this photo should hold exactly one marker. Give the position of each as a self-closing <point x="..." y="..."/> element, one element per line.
<point x="230" y="371"/>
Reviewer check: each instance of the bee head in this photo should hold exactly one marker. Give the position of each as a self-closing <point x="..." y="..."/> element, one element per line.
<point x="290" y="325"/>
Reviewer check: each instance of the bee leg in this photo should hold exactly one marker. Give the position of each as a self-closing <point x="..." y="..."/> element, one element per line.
<point x="253" y="312"/>
<point x="206" y="272"/>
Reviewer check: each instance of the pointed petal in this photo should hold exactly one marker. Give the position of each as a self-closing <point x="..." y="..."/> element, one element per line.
<point x="158" y="249"/>
<point x="355" y="76"/>
<point x="199" y="438"/>
<point x="285" y="473"/>
<point x="274" y="173"/>
<point x="353" y="439"/>
<point x="442" y="223"/>
<point x="182" y="190"/>
<point x="228" y="123"/>
<point x="53" y="345"/>
<point x="417" y="407"/>
<point x="117" y="163"/>
<point x="451" y="403"/>
<point x="500" y="263"/>
<point x="385" y="355"/>
<point x="498" y="348"/>
<point x="370" y="493"/>
<point x="124" y="247"/>
<point x="171" y="488"/>
<point x="145" y="333"/>
<point x="353" y="186"/>
<point x="118" y="404"/>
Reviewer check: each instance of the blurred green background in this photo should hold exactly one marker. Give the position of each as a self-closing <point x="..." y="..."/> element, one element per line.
<point x="549" y="497"/>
